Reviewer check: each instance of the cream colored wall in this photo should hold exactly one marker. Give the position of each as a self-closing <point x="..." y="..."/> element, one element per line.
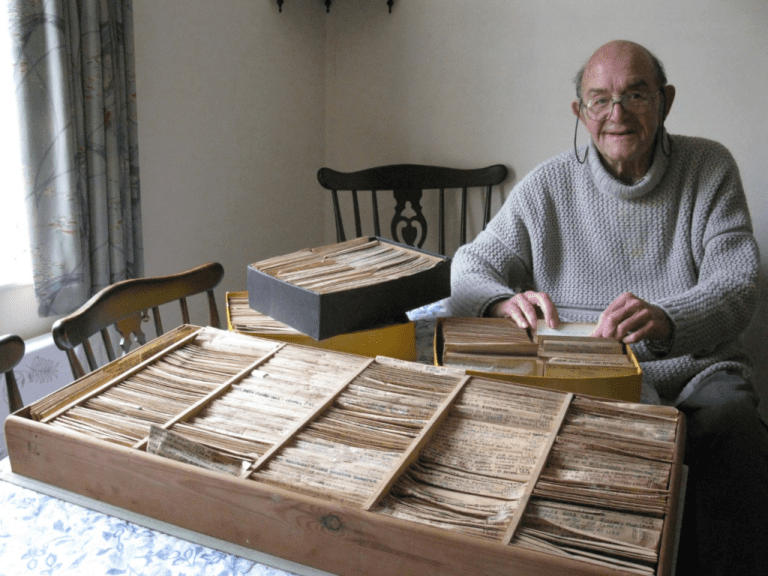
<point x="474" y="83"/>
<point x="231" y="107"/>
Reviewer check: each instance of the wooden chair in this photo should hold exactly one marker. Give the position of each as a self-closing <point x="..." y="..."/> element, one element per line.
<point x="11" y="353"/>
<point x="124" y="305"/>
<point x="407" y="182"/>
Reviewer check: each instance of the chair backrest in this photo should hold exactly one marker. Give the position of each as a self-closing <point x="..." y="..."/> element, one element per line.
<point x="125" y="304"/>
<point x="408" y="182"/>
<point x="11" y="353"/>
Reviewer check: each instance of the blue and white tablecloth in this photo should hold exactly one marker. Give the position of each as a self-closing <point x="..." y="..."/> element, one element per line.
<point x="46" y="535"/>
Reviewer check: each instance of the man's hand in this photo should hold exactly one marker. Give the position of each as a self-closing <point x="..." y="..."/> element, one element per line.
<point x="631" y="319"/>
<point x="522" y="308"/>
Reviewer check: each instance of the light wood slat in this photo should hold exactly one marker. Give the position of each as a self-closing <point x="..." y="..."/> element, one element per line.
<point x="542" y="461"/>
<point x="122" y="377"/>
<point x="415" y="449"/>
<point x="670" y="531"/>
<point x="300" y="425"/>
<point x="195" y="408"/>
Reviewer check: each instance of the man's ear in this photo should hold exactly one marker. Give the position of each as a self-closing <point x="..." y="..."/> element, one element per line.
<point x="669" y="97"/>
<point x="576" y="107"/>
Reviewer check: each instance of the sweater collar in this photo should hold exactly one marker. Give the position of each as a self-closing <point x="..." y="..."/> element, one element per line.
<point x="608" y="184"/>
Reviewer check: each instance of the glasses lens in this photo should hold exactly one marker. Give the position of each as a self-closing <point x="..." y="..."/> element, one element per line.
<point x="598" y="108"/>
<point x="635" y="100"/>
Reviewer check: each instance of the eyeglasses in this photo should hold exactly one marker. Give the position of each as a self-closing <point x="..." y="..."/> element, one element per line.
<point x="601" y="107"/>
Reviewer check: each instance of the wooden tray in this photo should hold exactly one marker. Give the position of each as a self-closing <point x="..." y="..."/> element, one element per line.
<point x="325" y="529"/>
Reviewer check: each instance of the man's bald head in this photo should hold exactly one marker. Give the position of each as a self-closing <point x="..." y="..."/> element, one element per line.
<point x="616" y="48"/>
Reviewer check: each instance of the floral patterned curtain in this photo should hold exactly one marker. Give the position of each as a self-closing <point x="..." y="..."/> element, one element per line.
<point x="76" y="87"/>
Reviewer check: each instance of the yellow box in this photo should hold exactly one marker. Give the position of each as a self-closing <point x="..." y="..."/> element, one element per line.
<point x="626" y="387"/>
<point x="394" y="340"/>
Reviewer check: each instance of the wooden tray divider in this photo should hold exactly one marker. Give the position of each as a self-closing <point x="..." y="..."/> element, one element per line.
<point x="413" y="451"/>
<point x="300" y="425"/>
<point x="123" y="376"/>
<point x="557" y="424"/>
<point x="667" y="548"/>
<point x="195" y="408"/>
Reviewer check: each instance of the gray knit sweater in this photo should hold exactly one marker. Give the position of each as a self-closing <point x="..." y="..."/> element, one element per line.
<point x="681" y="238"/>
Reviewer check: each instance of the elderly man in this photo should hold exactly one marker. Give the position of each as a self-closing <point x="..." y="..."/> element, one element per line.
<point x="649" y="235"/>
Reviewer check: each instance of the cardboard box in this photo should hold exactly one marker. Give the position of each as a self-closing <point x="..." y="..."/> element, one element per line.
<point x="605" y="385"/>
<point x="394" y="340"/>
<point x="324" y="315"/>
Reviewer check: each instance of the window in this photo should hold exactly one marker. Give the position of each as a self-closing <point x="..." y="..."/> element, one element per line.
<point x="15" y="264"/>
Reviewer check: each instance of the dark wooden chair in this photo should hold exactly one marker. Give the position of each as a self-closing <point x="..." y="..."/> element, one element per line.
<point x="11" y="352"/>
<point x="408" y="182"/>
<point x="125" y="304"/>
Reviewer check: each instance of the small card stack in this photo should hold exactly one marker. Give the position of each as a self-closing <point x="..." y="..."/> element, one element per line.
<point x="569" y="351"/>
<point x="566" y="358"/>
<point x="494" y="344"/>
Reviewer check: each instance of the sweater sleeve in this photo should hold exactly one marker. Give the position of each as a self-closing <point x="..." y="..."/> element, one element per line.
<point x="720" y="305"/>
<point x="492" y="267"/>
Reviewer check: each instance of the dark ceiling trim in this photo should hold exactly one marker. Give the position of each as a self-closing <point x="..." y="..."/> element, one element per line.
<point x="390" y="3"/>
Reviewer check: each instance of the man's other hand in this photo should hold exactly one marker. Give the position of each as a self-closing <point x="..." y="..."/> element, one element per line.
<point x="631" y="319"/>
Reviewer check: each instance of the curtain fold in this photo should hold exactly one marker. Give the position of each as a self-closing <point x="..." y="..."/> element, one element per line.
<point x="76" y="88"/>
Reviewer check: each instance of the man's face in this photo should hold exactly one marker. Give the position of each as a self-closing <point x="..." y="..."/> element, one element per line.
<point x="624" y="139"/>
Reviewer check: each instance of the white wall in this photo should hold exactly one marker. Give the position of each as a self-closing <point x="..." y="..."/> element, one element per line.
<point x="231" y="104"/>
<point x="474" y="83"/>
